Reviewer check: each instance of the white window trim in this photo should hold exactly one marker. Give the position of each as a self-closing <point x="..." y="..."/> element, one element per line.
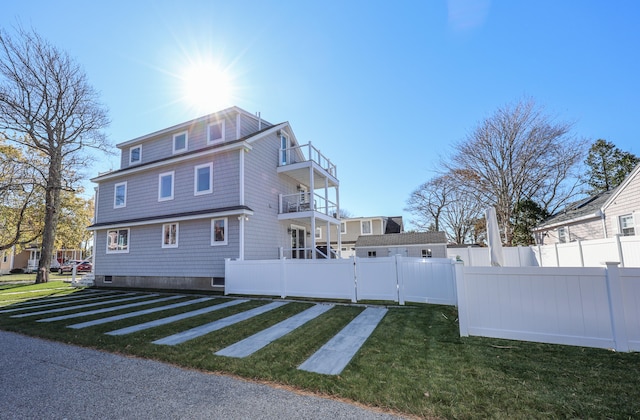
<point x="342" y="232"/>
<point x="115" y="195"/>
<point x="173" y="178"/>
<point x="186" y="142"/>
<point x="285" y="152"/>
<point x="633" y="223"/>
<point x="164" y="245"/>
<point x="226" y="231"/>
<point x="119" y="251"/>
<point x="318" y="233"/>
<point x="131" y="149"/>
<point x="222" y="131"/>
<point x="370" y="227"/>
<point x="195" y="179"/>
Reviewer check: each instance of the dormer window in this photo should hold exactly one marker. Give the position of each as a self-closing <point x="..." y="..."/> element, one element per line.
<point x="135" y="155"/>
<point x="180" y="142"/>
<point x="215" y="132"/>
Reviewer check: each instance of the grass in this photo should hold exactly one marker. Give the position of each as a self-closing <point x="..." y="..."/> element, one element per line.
<point x="414" y="363"/>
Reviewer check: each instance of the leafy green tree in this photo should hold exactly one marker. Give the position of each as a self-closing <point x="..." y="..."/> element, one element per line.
<point x="607" y="166"/>
<point x="21" y="198"/>
<point x="526" y="215"/>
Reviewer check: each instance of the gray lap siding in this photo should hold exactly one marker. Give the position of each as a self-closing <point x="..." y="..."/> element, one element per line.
<point x="142" y="190"/>
<point x="194" y="256"/>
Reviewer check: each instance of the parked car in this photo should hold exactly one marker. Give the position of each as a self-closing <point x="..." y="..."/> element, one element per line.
<point x="82" y="266"/>
<point x="55" y="265"/>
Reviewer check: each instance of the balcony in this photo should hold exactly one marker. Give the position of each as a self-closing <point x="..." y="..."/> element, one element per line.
<point x="301" y="202"/>
<point x="302" y="156"/>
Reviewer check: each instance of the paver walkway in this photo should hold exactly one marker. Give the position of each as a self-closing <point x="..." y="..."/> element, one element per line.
<point x="183" y="336"/>
<point x="109" y="309"/>
<point x="138" y="313"/>
<point x="87" y="305"/>
<point x="259" y="340"/>
<point x="174" y="318"/>
<point x="26" y="306"/>
<point x="332" y="358"/>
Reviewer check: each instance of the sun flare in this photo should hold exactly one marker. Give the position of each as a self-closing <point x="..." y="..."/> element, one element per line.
<point x="207" y="87"/>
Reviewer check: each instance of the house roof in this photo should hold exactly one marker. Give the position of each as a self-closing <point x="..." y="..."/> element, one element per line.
<point x="400" y="239"/>
<point x="186" y="155"/>
<point x="588" y="208"/>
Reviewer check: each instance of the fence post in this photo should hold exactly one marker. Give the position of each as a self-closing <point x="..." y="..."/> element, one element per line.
<point x="227" y="274"/>
<point x="620" y="254"/>
<point x="616" y="307"/>
<point x="579" y="242"/>
<point x="399" y="280"/>
<point x="354" y="296"/>
<point x="540" y="256"/>
<point x="469" y="256"/>
<point x="283" y="278"/>
<point x="463" y="317"/>
<point x="557" y="255"/>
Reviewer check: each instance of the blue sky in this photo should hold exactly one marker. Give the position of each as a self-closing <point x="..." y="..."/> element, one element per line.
<point x="384" y="89"/>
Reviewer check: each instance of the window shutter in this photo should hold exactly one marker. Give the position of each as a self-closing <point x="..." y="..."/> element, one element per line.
<point x="615" y="224"/>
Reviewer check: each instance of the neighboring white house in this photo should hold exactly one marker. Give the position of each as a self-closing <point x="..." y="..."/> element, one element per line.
<point x="353" y="227"/>
<point x="226" y="185"/>
<point x="614" y="212"/>
<point x="411" y="244"/>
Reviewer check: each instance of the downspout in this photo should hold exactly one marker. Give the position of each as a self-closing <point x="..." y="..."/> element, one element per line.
<point x="604" y="224"/>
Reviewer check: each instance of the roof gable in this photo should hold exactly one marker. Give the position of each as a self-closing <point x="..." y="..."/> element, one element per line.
<point x="621" y="187"/>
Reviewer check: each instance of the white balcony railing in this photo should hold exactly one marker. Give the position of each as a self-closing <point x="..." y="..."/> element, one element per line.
<point x="305" y="153"/>
<point x="302" y="201"/>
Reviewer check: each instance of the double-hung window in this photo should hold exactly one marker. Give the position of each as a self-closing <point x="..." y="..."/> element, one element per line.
<point x="365" y="227"/>
<point x="562" y="235"/>
<point x="318" y="233"/>
<point x="627" y="226"/>
<point x="215" y="132"/>
<point x="343" y="227"/>
<point x="170" y="235"/>
<point x="120" y="195"/>
<point x="135" y="155"/>
<point x="117" y="241"/>
<point x="203" y="179"/>
<point x="219" y="231"/>
<point x="165" y="186"/>
<point x="180" y="142"/>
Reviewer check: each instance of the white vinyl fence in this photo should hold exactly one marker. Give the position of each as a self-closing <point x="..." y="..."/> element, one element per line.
<point x="623" y="249"/>
<point x="396" y="278"/>
<point x="594" y="307"/>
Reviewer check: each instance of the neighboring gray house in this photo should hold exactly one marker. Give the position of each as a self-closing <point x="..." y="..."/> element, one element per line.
<point x="411" y="244"/>
<point x="614" y="212"/>
<point x="352" y="228"/>
<point x="226" y="185"/>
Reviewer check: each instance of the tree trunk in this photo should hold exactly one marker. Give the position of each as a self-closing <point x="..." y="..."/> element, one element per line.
<point x="52" y="199"/>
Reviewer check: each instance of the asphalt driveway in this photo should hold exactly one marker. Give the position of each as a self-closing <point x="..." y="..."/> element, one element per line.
<point x="49" y="380"/>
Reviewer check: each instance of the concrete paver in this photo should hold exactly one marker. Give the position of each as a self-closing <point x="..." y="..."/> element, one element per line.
<point x="259" y="340"/>
<point x="334" y="356"/>
<point x="86" y="305"/>
<point x="174" y="318"/>
<point x="109" y="309"/>
<point x="138" y="313"/>
<point x="183" y="336"/>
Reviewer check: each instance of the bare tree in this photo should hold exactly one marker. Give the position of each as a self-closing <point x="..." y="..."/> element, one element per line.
<point x="519" y="153"/>
<point x="443" y="204"/>
<point x="48" y="106"/>
<point x="429" y="201"/>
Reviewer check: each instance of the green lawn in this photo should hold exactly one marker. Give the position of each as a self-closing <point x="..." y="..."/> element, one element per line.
<point x="414" y="362"/>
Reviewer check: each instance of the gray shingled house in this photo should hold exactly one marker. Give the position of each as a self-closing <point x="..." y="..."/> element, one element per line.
<point x="410" y="244"/>
<point x="226" y="185"/>
<point x="604" y="215"/>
